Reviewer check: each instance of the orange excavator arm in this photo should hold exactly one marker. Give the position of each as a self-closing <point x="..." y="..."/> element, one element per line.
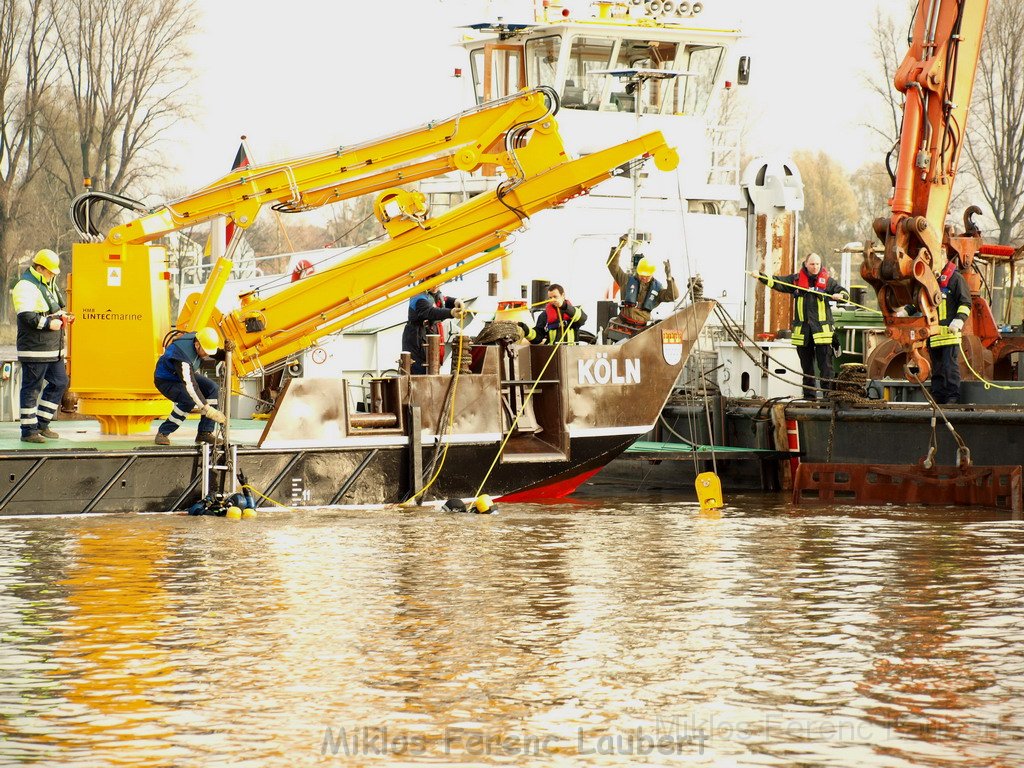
<point x="936" y="79"/>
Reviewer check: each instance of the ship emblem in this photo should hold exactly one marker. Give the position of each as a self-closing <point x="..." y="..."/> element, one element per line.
<point x="672" y="346"/>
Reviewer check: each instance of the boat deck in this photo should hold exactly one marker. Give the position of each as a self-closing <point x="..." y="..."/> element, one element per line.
<point x="83" y="435"/>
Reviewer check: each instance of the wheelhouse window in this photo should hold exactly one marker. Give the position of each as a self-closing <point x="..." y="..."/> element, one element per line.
<point x="542" y="60"/>
<point x="476" y="63"/>
<point x="497" y="71"/>
<point x="657" y="96"/>
<point x="583" y="89"/>
<point x="705" y="62"/>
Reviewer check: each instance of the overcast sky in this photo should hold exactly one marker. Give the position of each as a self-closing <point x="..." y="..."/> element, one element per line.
<point x="303" y="76"/>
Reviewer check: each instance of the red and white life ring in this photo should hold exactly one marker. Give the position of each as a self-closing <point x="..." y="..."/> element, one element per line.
<point x="302" y="269"/>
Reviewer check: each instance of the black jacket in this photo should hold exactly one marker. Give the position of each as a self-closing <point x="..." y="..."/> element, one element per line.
<point x="427" y="310"/>
<point x="812" y="312"/>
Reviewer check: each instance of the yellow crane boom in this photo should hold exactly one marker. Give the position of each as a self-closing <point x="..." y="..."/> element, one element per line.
<point x="121" y="285"/>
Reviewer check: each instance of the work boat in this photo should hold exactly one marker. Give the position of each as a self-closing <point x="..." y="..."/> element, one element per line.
<point x="511" y="421"/>
<point x="526" y="423"/>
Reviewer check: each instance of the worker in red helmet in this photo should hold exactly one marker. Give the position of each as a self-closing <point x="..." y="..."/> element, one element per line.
<point x="39" y="305"/>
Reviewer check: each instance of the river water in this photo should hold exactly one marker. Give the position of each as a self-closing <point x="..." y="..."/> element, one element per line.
<point x="618" y="632"/>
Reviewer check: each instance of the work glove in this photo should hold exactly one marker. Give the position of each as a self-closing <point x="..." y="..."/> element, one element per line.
<point x="668" y="270"/>
<point x="55" y="324"/>
<point x="229" y="345"/>
<point x="956" y="325"/>
<point x="901" y="312"/>
<point x="213" y="414"/>
<point x="458" y="313"/>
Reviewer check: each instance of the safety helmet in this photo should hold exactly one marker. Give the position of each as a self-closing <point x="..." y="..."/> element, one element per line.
<point x="49" y="259"/>
<point x="208" y="340"/>
<point x="645" y="268"/>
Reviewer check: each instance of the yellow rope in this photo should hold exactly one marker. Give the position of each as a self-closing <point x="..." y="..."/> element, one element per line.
<point x="267" y="498"/>
<point x="457" y="365"/>
<point x="988" y="384"/>
<point x="522" y="408"/>
<point x="812" y="291"/>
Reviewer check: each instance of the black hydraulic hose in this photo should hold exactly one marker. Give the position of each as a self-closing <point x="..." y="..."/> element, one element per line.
<point x="81" y="208"/>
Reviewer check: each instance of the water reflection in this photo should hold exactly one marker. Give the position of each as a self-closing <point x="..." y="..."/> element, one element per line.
<point x="584" y="634"/>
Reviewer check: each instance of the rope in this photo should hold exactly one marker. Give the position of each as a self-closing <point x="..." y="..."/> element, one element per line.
<point x="267" y="498"/>
<point x="522" y="410"/>
<point x="988" y="384"/>
<point x="731" y="327"/>
<point x="814" y="292"/>
<point x="695" y="284"/>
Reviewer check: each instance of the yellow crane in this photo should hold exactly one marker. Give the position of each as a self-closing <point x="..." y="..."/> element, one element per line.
<point x="120" y="286"/>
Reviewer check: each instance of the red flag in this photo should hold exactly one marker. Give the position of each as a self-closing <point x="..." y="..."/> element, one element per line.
<point x="241" y="161"/>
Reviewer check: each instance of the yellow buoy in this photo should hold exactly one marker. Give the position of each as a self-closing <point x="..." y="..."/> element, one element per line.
<point x="248" y="514"/>
<point x="234" y="513"/>
<point x="483" y="505"/>
<point x="709" y="491"/>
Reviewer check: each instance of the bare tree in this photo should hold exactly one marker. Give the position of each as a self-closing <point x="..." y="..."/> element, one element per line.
<point x="26" y="75"/>
<point x="995" y="146"/>
<point x="125" y="70"/>
<point x="889" y="44"/>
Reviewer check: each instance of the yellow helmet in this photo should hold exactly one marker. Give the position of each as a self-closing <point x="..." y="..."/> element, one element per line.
<point x="645" y="268"/>
<point x="49" y="259"/>
<point x="208" y="340"/>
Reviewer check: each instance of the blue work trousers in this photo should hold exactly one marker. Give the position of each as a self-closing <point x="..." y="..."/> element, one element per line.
<point x="37" y="412"/>
<point x="945" y="384"/>
<point x="176" y="392"/>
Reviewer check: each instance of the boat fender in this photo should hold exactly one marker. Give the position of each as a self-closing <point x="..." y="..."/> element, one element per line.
<point x="484" y="505"/>
<point x="233" y="513"/>
<point x="454" y="505"/>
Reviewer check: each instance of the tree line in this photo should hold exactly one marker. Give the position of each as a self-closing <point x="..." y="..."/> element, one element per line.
<point x="87" y="90"/>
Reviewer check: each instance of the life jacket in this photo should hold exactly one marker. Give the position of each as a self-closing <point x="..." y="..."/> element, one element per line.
<point x="560" y="323"/>
<point x="825" y="334"/>
<point x="945" y="275"/>
<point x="820" y="284"/>
<point x="34" y="302"/>
<point x="182" y="350"/>
<point x="633" y="290"/>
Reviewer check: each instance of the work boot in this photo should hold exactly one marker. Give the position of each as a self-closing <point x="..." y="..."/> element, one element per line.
<point x="205" y="437"/>
<point x="47" y="432"/>
<point x="162" y="439"/>
<point x="35" y="437"/>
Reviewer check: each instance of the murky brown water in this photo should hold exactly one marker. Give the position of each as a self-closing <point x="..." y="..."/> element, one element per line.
<point x="633" y="633"/>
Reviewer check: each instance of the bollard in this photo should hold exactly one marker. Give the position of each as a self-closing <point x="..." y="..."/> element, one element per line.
<point x="433" y="354"/>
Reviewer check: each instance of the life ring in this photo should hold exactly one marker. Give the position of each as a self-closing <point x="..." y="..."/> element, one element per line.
<point x="302" y="269"/>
